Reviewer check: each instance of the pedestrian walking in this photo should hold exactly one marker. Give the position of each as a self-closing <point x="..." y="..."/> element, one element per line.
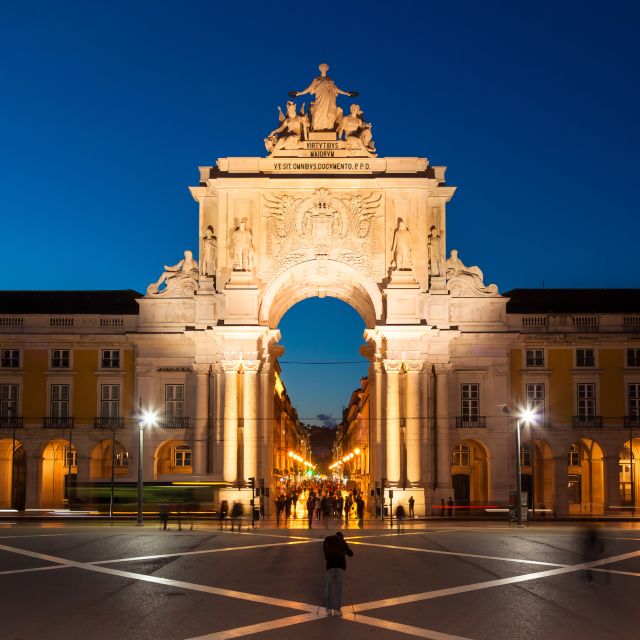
<point x="360" y="510"/>
<point x="442" y="507"/>
<point x="310" y="503"/>
<point x="294" y="500"/>
<point x="224" y="510"/>
<point x="412" y="503"/>
<point x="279" y="509"/>
<point x="163" y="512"/>
<point x="287" y="509"/>
<point x="400" y="517"/>
<point x="335" y="550"/>
<point x="236" y="515"/>
<point x="450" y="506"/>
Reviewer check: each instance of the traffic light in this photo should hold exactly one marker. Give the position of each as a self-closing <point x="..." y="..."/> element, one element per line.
<point x="252" y="484"/>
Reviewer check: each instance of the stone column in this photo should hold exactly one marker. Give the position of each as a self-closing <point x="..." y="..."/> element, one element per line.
<point x="611" y="482"/>
<point x="266" y="425"/>
<point x="442" y="425"/>
<point x="250" y="415"/>
<point x="200" y="430"/>
<point x="561" y="497"/>
<point x="230" y="429"/>
<point x="393" y="369"/>
<point x="413" y="442"/>
<point x="375" y="435"/>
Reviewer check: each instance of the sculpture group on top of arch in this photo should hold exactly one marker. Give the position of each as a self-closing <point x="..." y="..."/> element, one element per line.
<point x="324" y="116"/>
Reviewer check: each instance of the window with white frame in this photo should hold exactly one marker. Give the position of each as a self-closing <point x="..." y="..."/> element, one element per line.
<point x="634" y="401"/>
<point x="470" y="401"/>
<point x="633" y="357"/>
<point x="109" y="400"/>
<point x="585" y="358"/>
<point x="461" y="456"/>
<point x="535" y="399"/>
<point x="182" y="456"/>
<point x="574" y="455"/>
<point x="10" y="359"/>
<point x="59" y="358"/>
<point x="59" y="403"/>
<point x="70" y="456"/>
<point x="110" y="359"/>
<point x="174" y="400"/>
<point x="535" y="358"/>
<point x="9" y="400"/>
<point x="586" y="400"/>
<point x="525" y="455"/>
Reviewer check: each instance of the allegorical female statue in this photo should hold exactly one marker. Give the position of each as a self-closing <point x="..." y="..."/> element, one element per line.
<point x="209" y="260"/>
<point x="325" y="111"/>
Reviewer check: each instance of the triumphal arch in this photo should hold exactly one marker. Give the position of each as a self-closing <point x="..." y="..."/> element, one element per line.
<point x="321" y="214"/>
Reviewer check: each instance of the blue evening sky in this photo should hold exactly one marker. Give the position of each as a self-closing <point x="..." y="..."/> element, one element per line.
<point x="108" y="108"/>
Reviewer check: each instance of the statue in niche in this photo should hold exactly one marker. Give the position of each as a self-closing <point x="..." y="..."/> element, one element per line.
<point x="466" y="281"/>
<point x="242" y="243"/>
<point x="292" y="129"/>
<point x="325" y="114"/>
<point x="209" y="261"/>
<point x="401" y="248"/>
<point x="436" y="267"/>
<point x="179" y="279"/>
<point x="357" y="132"/>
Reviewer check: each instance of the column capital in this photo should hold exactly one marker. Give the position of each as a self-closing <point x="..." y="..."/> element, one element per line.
<point x="442" y="369"/>
<point x="413" y="366"/>
<point x="251" y="366"/>
<point x="201" y="369"/>
<point x="392" y="366"/>
<point x="229" y="366"/>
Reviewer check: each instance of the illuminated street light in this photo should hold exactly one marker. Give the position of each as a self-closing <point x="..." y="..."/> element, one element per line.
<point x="526" y="416"/>
<point x="147" y="419"/>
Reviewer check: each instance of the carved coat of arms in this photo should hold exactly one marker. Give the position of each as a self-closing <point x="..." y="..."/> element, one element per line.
<point x="341" y="227"/>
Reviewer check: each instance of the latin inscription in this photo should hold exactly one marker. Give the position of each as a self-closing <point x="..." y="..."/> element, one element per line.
<point x="322" y="166"/>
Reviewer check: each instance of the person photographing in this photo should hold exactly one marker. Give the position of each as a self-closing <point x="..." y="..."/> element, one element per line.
<point x="335" y="551"/>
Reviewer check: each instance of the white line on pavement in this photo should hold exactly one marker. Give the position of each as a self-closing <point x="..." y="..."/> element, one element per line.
<point x="229" y="593"/>
<point x="241" y="632"/>
<point x="204" y="551"/>
<point x="451" y="591"/>
<point x="402" y="628"/>
<point x="459" y="554"/>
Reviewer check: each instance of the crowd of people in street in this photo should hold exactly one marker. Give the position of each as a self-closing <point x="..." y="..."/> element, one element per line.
<point x="319" y="500"/>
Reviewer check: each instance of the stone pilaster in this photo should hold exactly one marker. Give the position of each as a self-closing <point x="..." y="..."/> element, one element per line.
<point x="265" y="426"/>
<point x="375" y="434"/>
<point x="413" y="440"/>
<point x="442" y="424"/>
<point x="200" y="431"/>
<point x="393" y="368"/>
<point x="230" y="428"/>
<point x="611" y="482"/>
<point x="561" y="497"/>
<point x="250" y="415"/>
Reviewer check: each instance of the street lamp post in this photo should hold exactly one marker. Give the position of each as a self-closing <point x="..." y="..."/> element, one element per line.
<point x="526" y="416"/>
<point x="146" y="419"/>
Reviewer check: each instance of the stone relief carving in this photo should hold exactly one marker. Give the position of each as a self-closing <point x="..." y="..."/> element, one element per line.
<point x="209" y="261"/>
<point x="179" y="281"/>
<point x="356" y="131"/>
<point x="436" y="254"/>
<point x="293" y="128"/>
<point x="466" y="282"/>
<point x="242" y="247"/>
<point x="324" y="223"/>
<point x="325" y="113"/>
<point x="401" y="248"/>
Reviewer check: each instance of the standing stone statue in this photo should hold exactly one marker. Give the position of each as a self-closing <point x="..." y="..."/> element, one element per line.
<point x="325" y="112"/>
<point x="436" y="266"/>
<point x="242" y="243"/>
<point x="401" y="248"/>
<point x="209" y="261"/>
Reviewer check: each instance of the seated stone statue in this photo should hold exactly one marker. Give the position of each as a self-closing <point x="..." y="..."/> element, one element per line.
<point x="466" y="281"/>
<point x="175" y="278"/>
<point x="357" y="133"/>
<point x="290" y="131"/>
